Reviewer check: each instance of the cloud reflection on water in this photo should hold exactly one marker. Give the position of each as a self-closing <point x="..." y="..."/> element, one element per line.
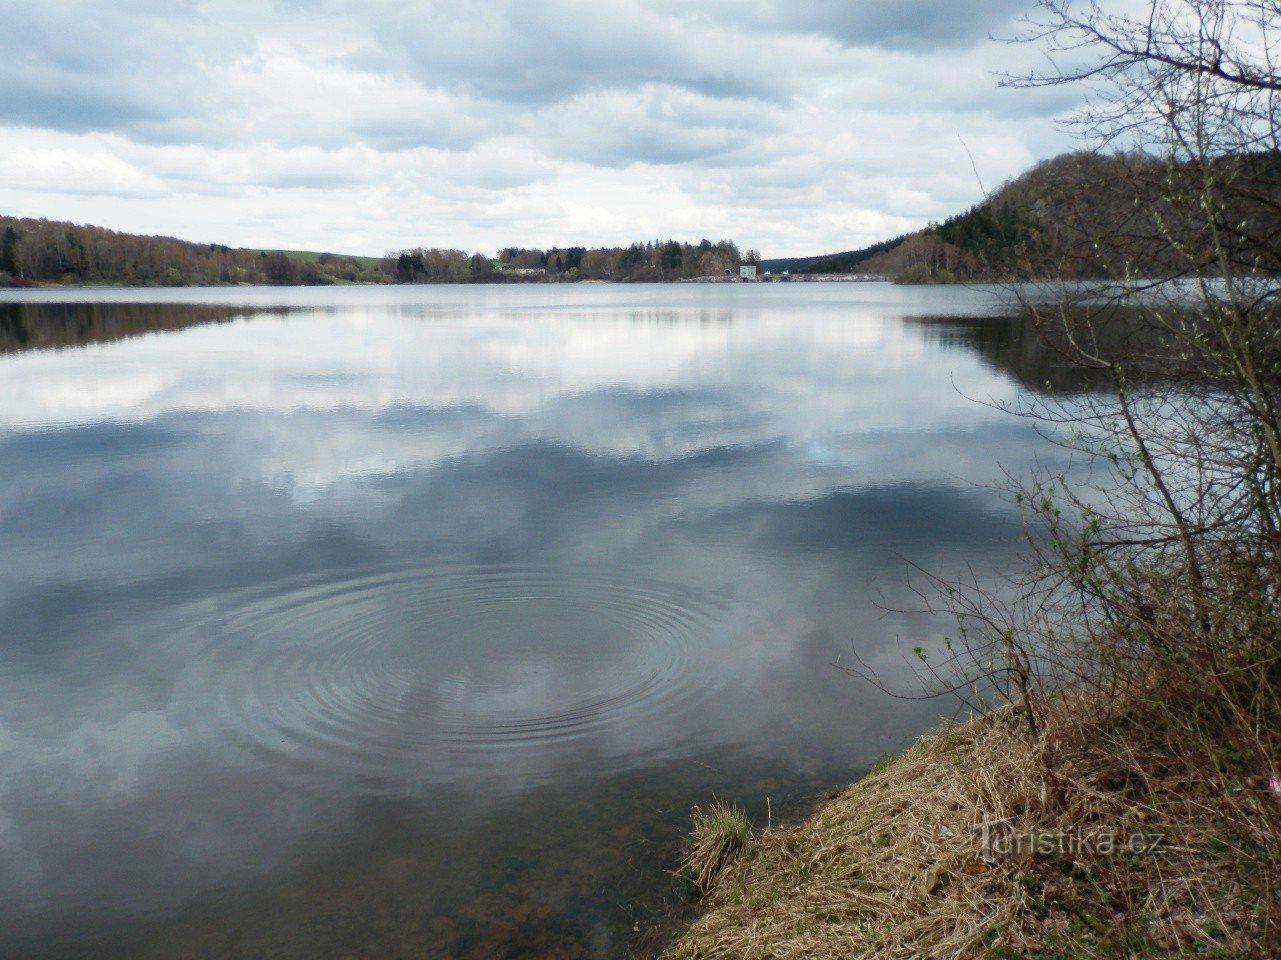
<point x="777" y="459"/>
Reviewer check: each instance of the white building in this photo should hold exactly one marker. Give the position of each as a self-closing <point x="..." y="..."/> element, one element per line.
<point x="747" y="272"/>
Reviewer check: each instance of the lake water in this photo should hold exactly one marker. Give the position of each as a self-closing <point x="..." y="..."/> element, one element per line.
<point x="410" y="622"/>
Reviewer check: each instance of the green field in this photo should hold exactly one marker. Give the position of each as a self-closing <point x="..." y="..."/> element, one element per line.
<point x="313" y="256"/>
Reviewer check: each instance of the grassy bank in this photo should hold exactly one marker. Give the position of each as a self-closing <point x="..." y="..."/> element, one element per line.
<point x="1108" y="836"/>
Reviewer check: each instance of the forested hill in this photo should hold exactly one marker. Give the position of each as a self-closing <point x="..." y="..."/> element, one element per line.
<point x="51" y="251"/>
<point x="1080" y="216"/>
<point x="47" y="251"/>
<point x="847" y="262"/>
<point x="1041" y="224"/>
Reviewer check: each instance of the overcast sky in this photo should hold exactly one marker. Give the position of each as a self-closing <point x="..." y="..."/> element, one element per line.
<point x="795" y="127"/>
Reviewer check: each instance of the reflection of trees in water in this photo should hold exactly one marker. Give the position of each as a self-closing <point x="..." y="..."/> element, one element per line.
<point x="676" y="318"/>
<point x="45" y="326"/>
<point x="1039" y="355"/>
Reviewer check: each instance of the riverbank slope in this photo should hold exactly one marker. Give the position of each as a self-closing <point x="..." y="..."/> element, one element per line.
<point x="1102" y="836"/>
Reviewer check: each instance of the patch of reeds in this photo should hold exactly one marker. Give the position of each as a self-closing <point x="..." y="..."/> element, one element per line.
<point x="720" y="832"/>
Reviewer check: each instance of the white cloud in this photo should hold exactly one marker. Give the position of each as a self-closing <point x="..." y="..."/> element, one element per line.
<point x="81" y="169"/>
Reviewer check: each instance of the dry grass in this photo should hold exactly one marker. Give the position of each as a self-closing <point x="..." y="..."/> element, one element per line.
<point x="896" y="865"/>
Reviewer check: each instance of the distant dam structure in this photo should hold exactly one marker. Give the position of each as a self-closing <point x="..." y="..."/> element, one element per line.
<point x="750" y="275"/>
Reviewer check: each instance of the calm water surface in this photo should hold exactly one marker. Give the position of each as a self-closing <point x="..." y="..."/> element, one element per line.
<point x="409" y="622"/>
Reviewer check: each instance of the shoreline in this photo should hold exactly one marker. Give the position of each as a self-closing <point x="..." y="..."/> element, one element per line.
<point x="981" y="841"/>
<point x="525" y="282"/>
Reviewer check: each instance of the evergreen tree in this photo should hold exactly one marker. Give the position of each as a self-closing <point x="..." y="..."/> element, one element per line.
<point x="9" y="251"/>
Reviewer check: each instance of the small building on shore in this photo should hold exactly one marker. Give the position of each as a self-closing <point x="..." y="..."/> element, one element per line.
<point x="747" y="271"/>
<point x="503" y="266"/>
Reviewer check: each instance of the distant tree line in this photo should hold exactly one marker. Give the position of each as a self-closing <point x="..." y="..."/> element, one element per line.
<point x="48" y="251"/>
<point x="652" y="261"/>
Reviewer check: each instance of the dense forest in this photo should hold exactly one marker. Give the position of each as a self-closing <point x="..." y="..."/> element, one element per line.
<point x="47" y="251"/>
<point x="1083" y="215"/>
<point x="847" y="262"/>
<point x="654" y="261"/>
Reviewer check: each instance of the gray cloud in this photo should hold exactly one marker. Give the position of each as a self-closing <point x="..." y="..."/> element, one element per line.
<point x="64" y="104"/>
<point x="74" y="66"/>
<point x="915" y="25"/>
<point x="653" y="124"/>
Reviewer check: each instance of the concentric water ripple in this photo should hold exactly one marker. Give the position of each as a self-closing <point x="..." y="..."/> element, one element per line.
<point x="385" y="671"/>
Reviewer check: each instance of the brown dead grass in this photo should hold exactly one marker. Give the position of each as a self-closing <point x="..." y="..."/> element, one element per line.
<point x="895" y="865"/>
